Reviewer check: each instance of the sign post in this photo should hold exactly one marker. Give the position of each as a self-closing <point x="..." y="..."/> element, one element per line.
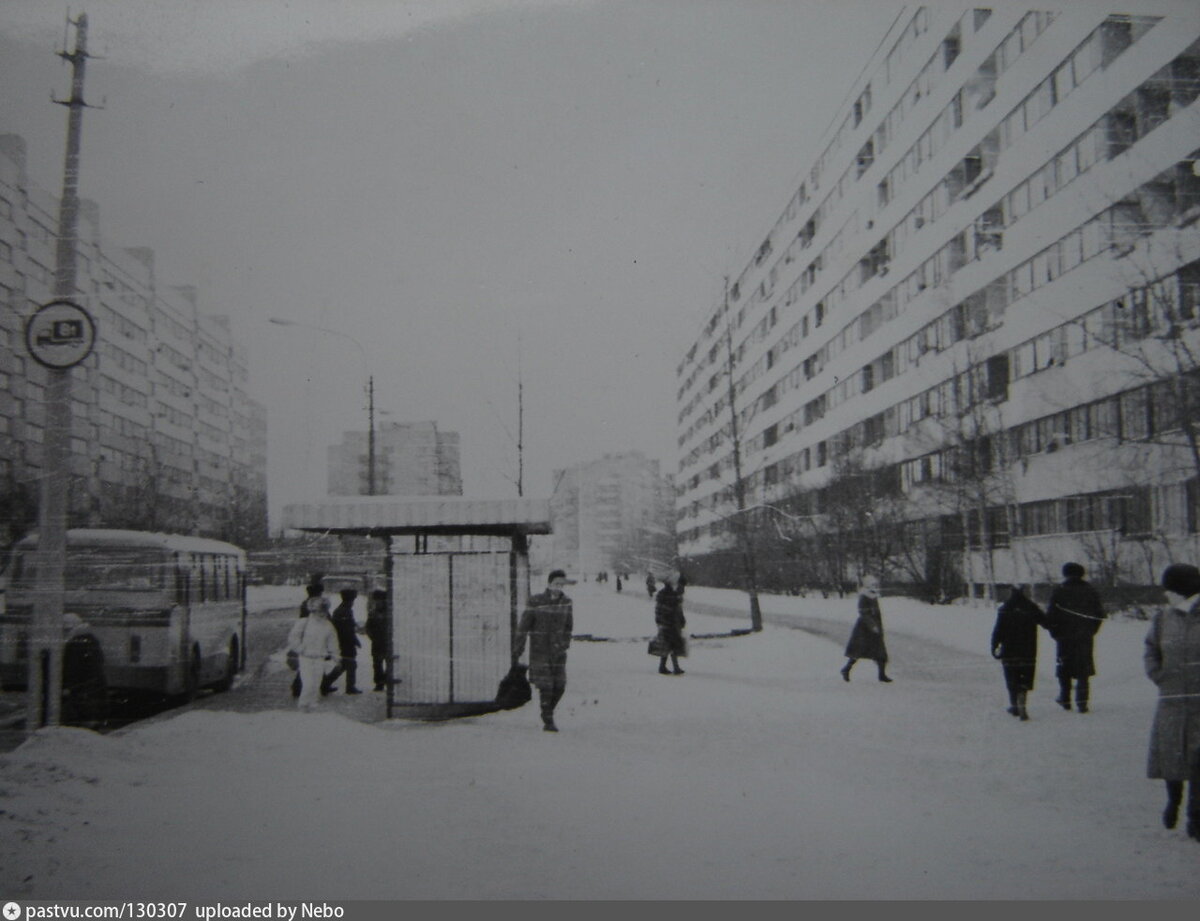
<point x="59" y="336"/>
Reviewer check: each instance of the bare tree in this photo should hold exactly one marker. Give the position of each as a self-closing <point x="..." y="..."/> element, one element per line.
<point x="741" y="524"/>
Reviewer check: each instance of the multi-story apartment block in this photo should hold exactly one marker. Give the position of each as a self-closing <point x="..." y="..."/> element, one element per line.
<point x="164" y="434"/>
<point x="610" y="514"/>
<point x="411" y="459"/>
<point x="966" y="352"/>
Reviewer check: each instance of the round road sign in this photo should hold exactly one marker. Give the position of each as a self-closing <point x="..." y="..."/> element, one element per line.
<point x="60" y="335"/>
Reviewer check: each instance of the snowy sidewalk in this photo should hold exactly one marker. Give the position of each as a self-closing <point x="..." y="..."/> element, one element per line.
<point x="759" y="774"/>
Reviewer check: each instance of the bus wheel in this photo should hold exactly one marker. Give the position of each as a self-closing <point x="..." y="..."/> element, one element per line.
<point x="231" y="665"/>
<point x="191" y="687"/>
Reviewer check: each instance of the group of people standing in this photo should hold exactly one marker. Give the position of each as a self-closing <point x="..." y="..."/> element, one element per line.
<point x="326" y="644"/>
<point x="1073" y="616"/>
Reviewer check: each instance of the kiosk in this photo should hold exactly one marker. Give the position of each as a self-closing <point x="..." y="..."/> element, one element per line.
<point x="457" y="580"/>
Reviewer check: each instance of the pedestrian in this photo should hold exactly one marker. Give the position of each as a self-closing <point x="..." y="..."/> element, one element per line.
<point x="668" y="617"/>
<point x="314" y="640"/>
<point x="866" y="639"/>
<point x="377" y="631"/>
<point x="314" y="595"/>
<point x="650" y="585"/>
<point x="1014" y="643"/>
<point x="1073" y="617"/>
<point x="547" y="621"/>
<point x="1172" y="660"/>
<point x="348" y="643"/>
<point x="618" y="582"/>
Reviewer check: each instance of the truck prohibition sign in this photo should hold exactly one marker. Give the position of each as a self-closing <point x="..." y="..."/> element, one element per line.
<point x="60" y="334"/>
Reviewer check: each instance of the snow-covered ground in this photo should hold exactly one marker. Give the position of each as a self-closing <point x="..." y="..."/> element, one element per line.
<point x="758" y="774"/>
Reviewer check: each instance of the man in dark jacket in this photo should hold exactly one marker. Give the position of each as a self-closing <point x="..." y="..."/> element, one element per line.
<point x="547" y="621"/>
<point x="1073" y="617"/>
<point x="377" y="630"/>
<point x="1014" y="643"/>
<point x="348" y="643"/>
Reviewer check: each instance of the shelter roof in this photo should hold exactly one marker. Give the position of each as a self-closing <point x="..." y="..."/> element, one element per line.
<point x="380" y="515"/>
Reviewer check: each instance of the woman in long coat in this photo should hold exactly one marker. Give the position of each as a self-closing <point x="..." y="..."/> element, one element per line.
<point x="866" y="639"/>
<point x="668" y="617"/>
<point x="1014" y="643"/>
<point x="1172" y="660"/>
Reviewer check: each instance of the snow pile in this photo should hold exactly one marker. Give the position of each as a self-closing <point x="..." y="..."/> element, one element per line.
<point x="758" y="774"/>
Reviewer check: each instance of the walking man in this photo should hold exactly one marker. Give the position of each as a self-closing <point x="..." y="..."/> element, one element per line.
<point x="1073" y="617"/>
<point x="377" y="629"/>
<point x="348" y="643"/>
<point x="547" y="621"/>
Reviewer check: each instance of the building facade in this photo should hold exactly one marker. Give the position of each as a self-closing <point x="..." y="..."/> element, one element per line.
<point x="611" y="514"/>
<point x="164" y="434"/>
<point x="967" y="349"/>
<point x="411" y="459"/>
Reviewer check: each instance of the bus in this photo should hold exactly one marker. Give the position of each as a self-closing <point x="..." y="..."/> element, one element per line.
<point x="169" y="611"/>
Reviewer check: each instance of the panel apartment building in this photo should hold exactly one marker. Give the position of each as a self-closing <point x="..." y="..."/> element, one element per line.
<point x="164" y="435"/>
<point x="966" y="352"/>
<point x="612" y="514"/>
<point x="411" y="459"/>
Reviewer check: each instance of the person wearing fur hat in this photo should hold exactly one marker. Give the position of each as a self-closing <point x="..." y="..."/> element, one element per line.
<point x="1172" y="660"/>
<point x="668" y="617"/>
<point x="547" y="621"/>
<point x="1073" y="618"/>
<point x="866" y="637"/>
<point x="315" y="640"/>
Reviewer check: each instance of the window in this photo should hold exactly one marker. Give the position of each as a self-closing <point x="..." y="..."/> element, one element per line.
<point x="1135" y="414"/>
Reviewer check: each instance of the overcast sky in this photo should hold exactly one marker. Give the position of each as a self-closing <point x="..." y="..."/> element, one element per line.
<point x="439" y="180"/>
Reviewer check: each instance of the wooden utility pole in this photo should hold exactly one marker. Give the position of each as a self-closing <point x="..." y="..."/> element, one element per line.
<point x="371" y="435"/>
<point x="44" y="677"/>
<point x="520" y="424"/>
<point x="741" y="525"/>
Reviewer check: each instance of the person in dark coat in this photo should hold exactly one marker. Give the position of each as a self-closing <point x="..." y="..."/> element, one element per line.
<point x="1014" y="643"/>
<point x="866" y="639"/>
<point x="1073" y="617"/>
<point x="377" y="631"/>
<point x="348" y="643"/>
<point x="668" y="617"/>
<point x="650" y="584"/>
<point x="1172" y="660"/>
<point x="547" y="621"/>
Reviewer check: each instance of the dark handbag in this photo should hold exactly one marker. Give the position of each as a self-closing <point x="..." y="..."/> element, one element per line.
<point x="293" y="660"/>
<point x="657" y="647"/>
<point x="514" y="690"/>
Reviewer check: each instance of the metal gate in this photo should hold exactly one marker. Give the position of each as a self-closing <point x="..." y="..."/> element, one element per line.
<point x="452" y="618"/>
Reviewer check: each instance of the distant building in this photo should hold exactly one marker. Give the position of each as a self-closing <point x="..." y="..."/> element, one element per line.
<point x="165" y="435"/>
<point x="966" y="350"/>
<point x="614" y="513"/>
<point x="411" y="459"/>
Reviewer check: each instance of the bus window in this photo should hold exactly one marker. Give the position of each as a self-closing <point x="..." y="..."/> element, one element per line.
<point x="99" y="568"/>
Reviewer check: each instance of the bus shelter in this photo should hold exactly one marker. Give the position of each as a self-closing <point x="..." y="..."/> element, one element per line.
<point x="457" y="580"/>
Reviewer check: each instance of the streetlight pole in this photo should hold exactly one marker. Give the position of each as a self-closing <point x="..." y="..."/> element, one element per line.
<point x="279" y="321"/>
